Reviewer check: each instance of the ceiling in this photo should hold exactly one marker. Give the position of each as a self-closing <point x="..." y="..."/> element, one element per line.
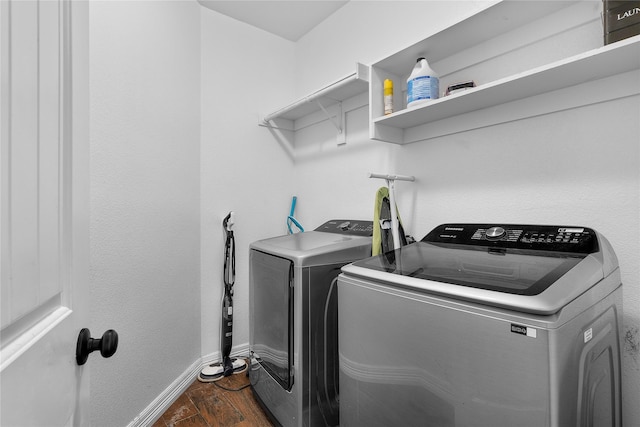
<point x="290" y="19"/>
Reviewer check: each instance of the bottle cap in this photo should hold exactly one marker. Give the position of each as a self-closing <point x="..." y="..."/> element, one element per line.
<point x="388" y="84"/>
<point x="421" y="58"/>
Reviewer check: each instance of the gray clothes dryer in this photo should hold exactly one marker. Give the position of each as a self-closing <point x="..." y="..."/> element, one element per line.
<point x="294" y="369"/>
<point x="480" y="325"/>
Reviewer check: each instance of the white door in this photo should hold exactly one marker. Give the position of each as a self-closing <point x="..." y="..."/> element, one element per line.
<point x="44" y="177"/>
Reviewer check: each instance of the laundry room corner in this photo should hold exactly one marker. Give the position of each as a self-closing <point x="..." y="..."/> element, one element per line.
<point x="178" y="142"/>
<point x="243" y="169"/>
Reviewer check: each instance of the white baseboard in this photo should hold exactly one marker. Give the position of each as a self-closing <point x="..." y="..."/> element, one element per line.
<point x="161" y="403"/>
<point x="241" y="350"/>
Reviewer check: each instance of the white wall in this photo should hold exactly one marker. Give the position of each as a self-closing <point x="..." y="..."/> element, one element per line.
<point x="332" y="181"/>
<point x="579" y="166"/>
<point x="245" y="71"/>
<point x="365" y="31"/>
<point x="145" y="211"/>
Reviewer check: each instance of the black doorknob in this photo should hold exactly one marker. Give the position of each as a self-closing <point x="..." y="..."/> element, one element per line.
<point x="107" y="345"/>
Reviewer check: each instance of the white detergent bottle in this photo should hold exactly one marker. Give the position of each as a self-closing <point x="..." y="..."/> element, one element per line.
<point x="422" y="84"/>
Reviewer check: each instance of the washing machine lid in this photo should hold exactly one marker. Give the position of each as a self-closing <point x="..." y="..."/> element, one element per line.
<point x="531" y="268"/>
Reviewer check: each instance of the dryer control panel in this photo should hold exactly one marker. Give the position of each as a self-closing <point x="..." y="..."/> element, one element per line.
<point x="351" y="227"/>
<point x="539" y="237"/>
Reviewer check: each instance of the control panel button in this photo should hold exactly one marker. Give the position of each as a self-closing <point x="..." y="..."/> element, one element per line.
<point x="495" y="233"/>
<point x="344" y="226"/>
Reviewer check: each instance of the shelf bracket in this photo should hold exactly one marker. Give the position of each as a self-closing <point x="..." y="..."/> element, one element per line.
<point x="337" y="122"/>
<point x="342" y="134"/>
<point x="324" y="110"/>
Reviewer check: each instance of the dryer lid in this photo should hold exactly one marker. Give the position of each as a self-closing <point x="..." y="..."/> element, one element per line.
<point x="336" y="241"/>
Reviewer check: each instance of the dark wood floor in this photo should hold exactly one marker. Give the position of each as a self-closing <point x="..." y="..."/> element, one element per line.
<point x="208" y="405"/>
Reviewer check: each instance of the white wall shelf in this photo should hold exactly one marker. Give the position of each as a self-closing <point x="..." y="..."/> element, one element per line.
<point x="324" y="99"/>
<point x="597" y="64"/>
<point x="489" y="29"/>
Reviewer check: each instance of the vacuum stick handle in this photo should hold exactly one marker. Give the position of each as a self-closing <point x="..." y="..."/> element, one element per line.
<point x="228" y="221"/>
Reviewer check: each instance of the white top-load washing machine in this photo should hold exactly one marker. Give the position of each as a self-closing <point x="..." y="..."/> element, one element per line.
<point x="483" y="325"/>
<point x="293" y="320"/>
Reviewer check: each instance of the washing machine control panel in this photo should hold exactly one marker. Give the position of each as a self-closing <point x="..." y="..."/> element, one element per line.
<point x="351" y="227"/>
<point x="538" y="237"/>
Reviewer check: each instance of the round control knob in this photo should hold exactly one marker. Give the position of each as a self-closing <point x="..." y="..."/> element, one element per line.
<point x="494" y="233"/>
<point x="344" y="226"/>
